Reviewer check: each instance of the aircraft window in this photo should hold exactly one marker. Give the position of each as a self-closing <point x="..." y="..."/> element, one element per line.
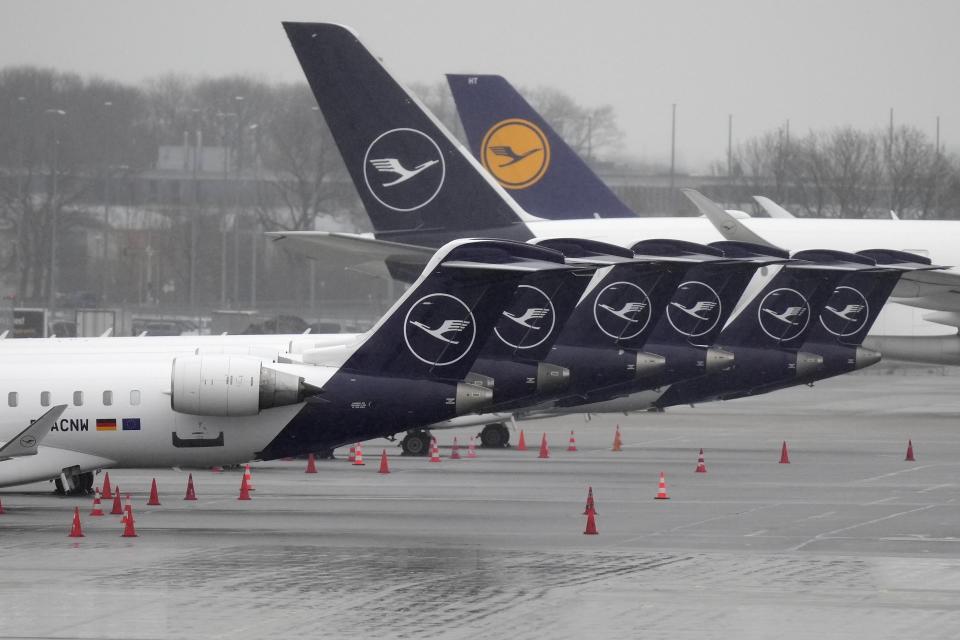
<point x="78" y="398"/>
<point x="107" y="398"/>
<point x="12" y="399"/>
<point x="44" y="398"/>
<point x="135" y="397"/>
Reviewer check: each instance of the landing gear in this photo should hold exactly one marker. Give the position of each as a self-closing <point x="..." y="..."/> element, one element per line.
<point x="72" y="483"/>
<point x="495" y="436"/>
<point x="325" y="454"/>
<point x="416" y="443"/>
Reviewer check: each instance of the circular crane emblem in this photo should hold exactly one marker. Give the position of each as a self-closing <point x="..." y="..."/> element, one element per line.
<point x="694" y="309"/>
<point x="622" y="310"/>
<point x="439" y="329"/>
<point x="783" y="314"/>
<point x="846" y="312"/>
<point x="528" y="321"/>
<point x="404" y="169"/>
<point x="516" y="153"/>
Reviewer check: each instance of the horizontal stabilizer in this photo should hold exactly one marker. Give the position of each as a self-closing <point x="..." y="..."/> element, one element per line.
<point x="26" y="442"/>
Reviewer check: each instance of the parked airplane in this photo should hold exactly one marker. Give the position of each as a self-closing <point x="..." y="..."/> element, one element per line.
<point x="148" y="408"/>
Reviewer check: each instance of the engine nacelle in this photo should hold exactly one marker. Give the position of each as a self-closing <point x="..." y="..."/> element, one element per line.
<point x="226" y="385"/>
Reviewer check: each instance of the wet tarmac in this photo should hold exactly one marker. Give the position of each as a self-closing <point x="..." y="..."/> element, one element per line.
<point x="848" y="540"/>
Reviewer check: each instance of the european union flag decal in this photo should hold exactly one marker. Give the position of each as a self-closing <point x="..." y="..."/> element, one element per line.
<point x="131" y="424"/>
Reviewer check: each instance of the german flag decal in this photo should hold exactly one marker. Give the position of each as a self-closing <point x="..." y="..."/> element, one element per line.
<point x="106" y="424"/>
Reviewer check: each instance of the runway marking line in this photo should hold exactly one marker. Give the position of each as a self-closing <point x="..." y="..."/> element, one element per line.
<point x="824" y="535"/>
<point x="895" y="473"/>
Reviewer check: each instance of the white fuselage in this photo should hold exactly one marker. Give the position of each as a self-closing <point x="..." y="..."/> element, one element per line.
<point x="129" y="393"/>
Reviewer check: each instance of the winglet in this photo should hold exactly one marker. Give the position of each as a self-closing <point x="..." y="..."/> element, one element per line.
<point x="772" y="208"/>
<point x="728" y="226"/>
<point x="26" y="442"/>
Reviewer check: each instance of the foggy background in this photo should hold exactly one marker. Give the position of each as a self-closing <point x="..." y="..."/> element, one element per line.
<point x="155" y="143"/>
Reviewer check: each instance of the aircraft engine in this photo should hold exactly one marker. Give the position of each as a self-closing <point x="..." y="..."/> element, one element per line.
<point x="225" y="385"/>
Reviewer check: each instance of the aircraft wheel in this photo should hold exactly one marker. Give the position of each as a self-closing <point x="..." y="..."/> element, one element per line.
<point x="325" y="454"/>
<point x="416" y="443"/>
<point x="495" y="436"/>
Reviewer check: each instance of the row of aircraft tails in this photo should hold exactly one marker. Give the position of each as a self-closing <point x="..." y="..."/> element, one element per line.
<point x="533" y="292"/>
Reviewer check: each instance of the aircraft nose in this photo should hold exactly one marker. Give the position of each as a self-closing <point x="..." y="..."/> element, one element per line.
<point x="552" y="378"/>
<point x="649" y="364"/>
<point x="717" y="360"/>
<point x="866" y="357"/>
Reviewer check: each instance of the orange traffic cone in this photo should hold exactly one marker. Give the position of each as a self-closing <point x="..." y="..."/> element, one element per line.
<point x="106" y="486"/>
<point x="358" y="460"/>
<point x="909" y="457"/>
<point x="384" y="465"/>
<point x="434" y="450"/>
<point x="1" y="508"/>
<point x="701" y="465"/>
<point x="617" y="442"/>
<point x="191" y="493"/>
<point x="662" y="489"/>
<point x="129" y="530"/>
<point x="76" y="531"/>
<point x="117" y="509"/>
<point x="352" y="456"/>
<point x="455" y="452"/>
<point x="591" y="529"/>
<point x="244" y="489"/>
<point x="248" y="477"/>
<point x="154" y="500"/>
<point x="591" y="505"/>
<point x="544" y="449"/>
<point x="572" y="446"/>
<point x="522" y="442"/>
<point x="472" y="449"/>
<point x="96" y="510"/>
<point x="784" y="454"/>
<point x="311" y="463"/>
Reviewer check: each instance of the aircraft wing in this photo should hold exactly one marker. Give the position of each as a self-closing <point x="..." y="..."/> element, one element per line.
<point x="728" y="225"/>
<point x="772" y="208"/>
<point x="26" y="442"/>
<point x="324" y="245"/>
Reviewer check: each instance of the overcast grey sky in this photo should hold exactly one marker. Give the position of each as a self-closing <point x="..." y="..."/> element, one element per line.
<point x="819" y="63"/>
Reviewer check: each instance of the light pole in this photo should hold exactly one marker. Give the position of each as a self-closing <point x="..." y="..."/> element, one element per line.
<point x="54" y="170"/>
<point x="223" y="206"/>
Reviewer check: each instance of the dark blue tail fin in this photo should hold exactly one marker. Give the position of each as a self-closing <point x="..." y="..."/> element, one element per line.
<point x="437" y="328"/>
<point x="525" y="154"/>
<point x="416" y="182"/>
<point x="858" y="298"/>
<point x="537" y="313"/>
<point x="785" y="311"/>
